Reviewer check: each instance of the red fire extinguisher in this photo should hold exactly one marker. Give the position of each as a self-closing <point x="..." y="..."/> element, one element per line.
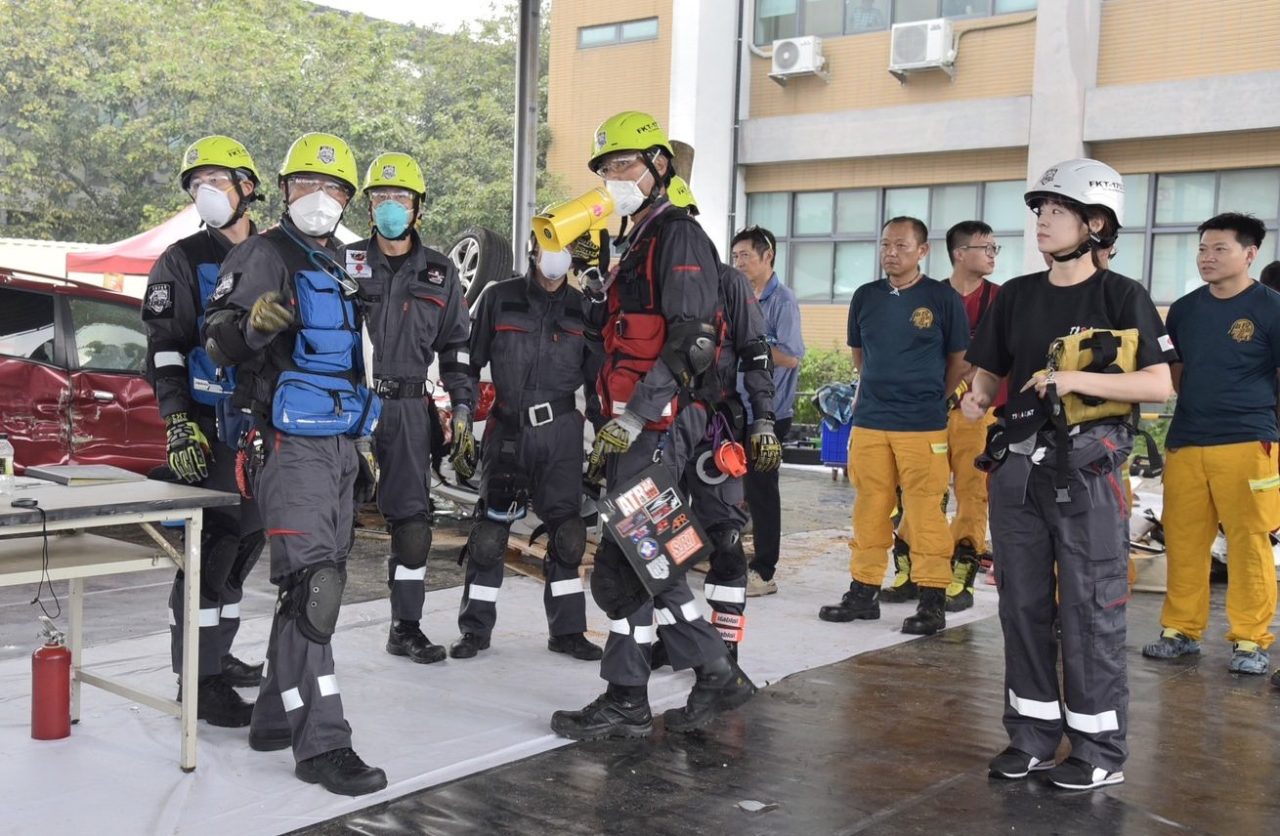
<point x="51" y="686"/>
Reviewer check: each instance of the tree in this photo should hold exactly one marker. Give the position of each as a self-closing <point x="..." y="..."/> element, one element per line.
<point x="98" y="99"/>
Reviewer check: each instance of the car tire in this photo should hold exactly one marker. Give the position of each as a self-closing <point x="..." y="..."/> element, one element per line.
<point x="482" y="256"/>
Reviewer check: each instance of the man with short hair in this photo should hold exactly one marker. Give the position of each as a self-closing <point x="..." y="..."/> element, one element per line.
<point x="972" y="251"/>
<point x="1221" y="463"/>
<point x="908" y="333"/>
<point x="753" y="251"/>
<point x="864" y="18"/>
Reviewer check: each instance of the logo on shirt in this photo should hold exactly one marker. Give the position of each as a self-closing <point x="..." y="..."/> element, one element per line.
<point x="1241" y="330"/>
<point x="922" y="318"/>
<point x="225" y="284"/>
<point x="358" y="264"/>
<point x="159" y="298"/>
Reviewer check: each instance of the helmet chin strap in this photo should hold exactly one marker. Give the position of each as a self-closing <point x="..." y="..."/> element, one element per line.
<point x="1088" y="245"/>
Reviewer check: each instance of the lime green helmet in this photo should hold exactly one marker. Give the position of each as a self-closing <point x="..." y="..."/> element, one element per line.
<point x="395" y="170"/>
<point x="320" y="153"/>
<point x="679" y="193"/>
<point x="630" y="130"/>
<point x="222" y="151"/>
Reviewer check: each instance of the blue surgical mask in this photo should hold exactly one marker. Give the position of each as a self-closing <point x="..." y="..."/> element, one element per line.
<point x="391" y="219"/>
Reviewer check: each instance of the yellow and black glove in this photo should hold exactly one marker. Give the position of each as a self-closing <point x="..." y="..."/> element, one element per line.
<point x="766" y="450"/>
<point x="268" y="315"/>
<point x="189" y="451"/>
<point x="616" y="436"/>
<point x="367" y="477"/>
<point x="463" y="457"/>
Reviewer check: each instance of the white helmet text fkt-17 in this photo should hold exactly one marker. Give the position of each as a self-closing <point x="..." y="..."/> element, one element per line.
<point x="1083" y="181"/>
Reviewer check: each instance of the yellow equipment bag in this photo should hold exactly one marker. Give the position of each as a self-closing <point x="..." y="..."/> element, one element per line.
<point x="1095" y="350"/>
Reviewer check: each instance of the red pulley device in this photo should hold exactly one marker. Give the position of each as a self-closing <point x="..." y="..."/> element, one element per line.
<point x="51" y="686"/>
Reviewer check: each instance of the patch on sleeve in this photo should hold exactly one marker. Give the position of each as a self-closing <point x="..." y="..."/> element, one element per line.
<point x="158" y="303"/>
<point x="1166" y="342"/>
<point x="224" y="286"/>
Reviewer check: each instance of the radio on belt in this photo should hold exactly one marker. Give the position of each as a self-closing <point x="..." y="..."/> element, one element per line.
<point x="653" y="524"/>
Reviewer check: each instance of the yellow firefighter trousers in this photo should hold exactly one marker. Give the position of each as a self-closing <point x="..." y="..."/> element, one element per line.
<point x="965" y="441"/>
<point x="879" y="462"/>
<point x="1237" y="485"/>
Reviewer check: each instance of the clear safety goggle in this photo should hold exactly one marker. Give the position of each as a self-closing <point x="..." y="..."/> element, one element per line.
<point x="307" y="185"/>
<point x="220" y="180"/>
<point x="401" y="196"/>
<point x="617" y="164"/>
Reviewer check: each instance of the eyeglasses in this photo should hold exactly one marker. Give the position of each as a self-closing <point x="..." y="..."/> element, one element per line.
<point x="760" y="235"/>
<point x="333" y="188"/>
<point x="989" y="249"/>
<point x="220" y="180"/>
<point x="402" y="196"/>
<point x="617" y="164"/>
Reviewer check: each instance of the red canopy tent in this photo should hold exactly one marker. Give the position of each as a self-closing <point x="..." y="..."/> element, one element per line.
<point x="135" y="255"/>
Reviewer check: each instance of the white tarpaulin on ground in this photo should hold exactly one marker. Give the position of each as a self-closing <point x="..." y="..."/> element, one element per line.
<point x="118" y="772"/>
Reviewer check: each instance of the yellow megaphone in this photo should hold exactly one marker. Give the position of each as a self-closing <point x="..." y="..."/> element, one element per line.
<point x="564" y="223"/>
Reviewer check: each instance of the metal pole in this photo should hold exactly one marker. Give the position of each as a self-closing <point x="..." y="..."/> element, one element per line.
<point x="526" y="134"/>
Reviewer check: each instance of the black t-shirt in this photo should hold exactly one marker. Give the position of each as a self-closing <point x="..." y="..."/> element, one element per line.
<point x="1029" y="313"/>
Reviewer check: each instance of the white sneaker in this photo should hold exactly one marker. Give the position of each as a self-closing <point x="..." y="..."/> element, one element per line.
<point x="758" y="586"/>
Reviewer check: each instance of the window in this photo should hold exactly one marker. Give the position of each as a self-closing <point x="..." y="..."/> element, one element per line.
<point x="1159" y="241"/>
<point x="26" y="325"/>
<point x="618" y="33"/>
<point x="828" y="242"/>
<point x="109" y="337"/>
<point x="788" y="18"/>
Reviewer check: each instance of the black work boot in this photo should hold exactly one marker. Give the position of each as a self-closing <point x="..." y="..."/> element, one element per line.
<point x="218" y="704"/>
<point x="721" y="686"/>
<point x="861" y="601"/>
<point x="241" y="674"/>
<point x="576" y="645"/>
<point x="341" y="772"/>
<point x="901" y="588"/>
<point x="964" y="571"/>
<point x="406" y="639"/>
<point x="270" y="741"/>
<point x="621" y="711"/>
<point x="468" y="645"/>
<point x="931" y="614"/>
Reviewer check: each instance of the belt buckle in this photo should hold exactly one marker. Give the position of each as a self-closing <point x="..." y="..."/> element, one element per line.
<point x="534" y="420"/>
<point x="388" y="388"/>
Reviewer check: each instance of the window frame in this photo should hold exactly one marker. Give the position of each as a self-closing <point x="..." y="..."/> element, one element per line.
<point x="72" y="344"/>
<point x="617" y="39"/>
<point x="60" y="355"/>
<point x="889" y="13"/>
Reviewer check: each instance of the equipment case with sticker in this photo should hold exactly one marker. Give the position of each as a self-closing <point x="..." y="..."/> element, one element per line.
<point x="653" y="524"/>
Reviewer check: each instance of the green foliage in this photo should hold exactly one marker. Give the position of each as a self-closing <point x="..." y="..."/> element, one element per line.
<point x="819" y="367"/>
<point x="99" y="98"/>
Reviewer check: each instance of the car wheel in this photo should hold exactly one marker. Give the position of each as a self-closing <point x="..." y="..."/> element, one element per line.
<point x="481" y="256"/>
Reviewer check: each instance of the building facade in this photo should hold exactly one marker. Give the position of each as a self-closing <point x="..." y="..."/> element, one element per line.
<point x="1181" y="96"/>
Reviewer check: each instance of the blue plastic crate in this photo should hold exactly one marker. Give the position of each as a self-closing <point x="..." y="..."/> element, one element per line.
<point x="835" y="445"/>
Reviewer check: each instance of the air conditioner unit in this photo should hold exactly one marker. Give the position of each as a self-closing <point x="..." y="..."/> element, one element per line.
<point x="922" y="45"/>
<point x="798" y="56"/>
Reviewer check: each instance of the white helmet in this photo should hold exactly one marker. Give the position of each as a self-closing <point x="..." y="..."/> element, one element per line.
<point x="1083" y="181"/>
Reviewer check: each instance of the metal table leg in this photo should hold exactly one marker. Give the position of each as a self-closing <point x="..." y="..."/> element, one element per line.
<point x="190" y="637"/>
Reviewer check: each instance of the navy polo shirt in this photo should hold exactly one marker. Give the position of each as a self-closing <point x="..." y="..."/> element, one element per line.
<point x="905" y="337"/>
<point x="1230" y="351"/>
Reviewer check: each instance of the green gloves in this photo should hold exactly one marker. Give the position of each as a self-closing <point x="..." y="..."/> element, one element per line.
<point x="188" y="448"/>
<point x="268" y="315"/>
<point x="463" y="457"/>
<point x="614" y="437"/>
<point x="766" y="450"/>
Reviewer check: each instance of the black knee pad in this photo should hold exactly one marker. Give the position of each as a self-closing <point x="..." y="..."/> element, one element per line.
<point x="218" y="555"/>
<point x="487" y="543"/>
<point x="727" y="558"/>
<point x="411" y="542"/>
<point x="312" y="599"/>
<point x="569" y="541"/>
<point x="614" y="584"/>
